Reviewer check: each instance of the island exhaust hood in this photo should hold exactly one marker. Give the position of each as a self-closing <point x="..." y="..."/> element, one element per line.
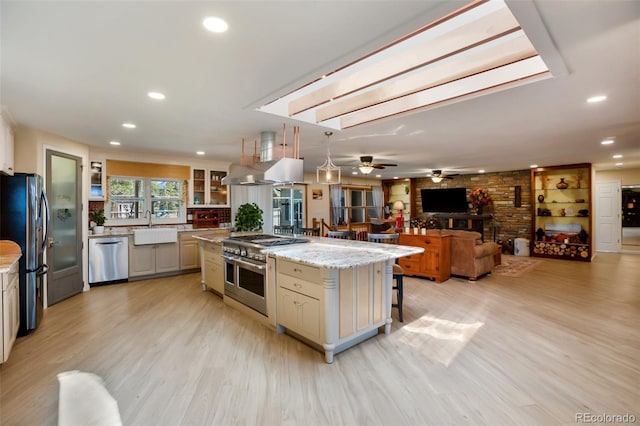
<point x="268" y="171"/>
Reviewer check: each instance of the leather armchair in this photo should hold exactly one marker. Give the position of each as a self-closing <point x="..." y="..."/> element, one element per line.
<point x="470" y="257"/>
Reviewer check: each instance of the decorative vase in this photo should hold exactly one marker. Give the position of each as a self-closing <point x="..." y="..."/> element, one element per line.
<point x="478" y="210"/>
<point x="98" y="229"/>
<point x="541" y="198"/>
<point x="562" y="184"/>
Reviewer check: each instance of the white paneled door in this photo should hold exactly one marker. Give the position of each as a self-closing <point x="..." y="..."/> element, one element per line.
<point x="608" y="221"/>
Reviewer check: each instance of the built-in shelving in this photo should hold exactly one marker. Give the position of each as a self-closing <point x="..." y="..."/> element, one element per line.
<point x="561" y="216"/>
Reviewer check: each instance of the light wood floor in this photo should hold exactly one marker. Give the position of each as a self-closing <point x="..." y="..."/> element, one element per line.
<point x="564" y="339"/>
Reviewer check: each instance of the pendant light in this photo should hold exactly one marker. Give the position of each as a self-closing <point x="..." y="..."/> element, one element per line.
<point x="328" y="173"/>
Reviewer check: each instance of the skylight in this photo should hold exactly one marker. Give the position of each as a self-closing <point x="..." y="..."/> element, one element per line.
<point x="478" y="49"/>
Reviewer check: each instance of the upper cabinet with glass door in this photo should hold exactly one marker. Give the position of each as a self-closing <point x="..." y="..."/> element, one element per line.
<point x="207" y="188"/>
<point x="97" y="191"/>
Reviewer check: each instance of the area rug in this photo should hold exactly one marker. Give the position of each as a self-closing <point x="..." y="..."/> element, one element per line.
<point x="515" y="266"/>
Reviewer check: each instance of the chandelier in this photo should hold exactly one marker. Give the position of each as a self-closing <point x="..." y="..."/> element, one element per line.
<point x="328" y="173"/>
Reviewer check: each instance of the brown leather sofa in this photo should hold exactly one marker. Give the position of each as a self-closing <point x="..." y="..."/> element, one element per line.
<point x="470" y="257"/>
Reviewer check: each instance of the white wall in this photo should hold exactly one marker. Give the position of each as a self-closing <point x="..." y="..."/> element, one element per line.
<point x="625" y="176"/>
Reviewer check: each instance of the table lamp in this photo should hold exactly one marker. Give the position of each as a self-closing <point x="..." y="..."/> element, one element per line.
<point x="399" y="205"/>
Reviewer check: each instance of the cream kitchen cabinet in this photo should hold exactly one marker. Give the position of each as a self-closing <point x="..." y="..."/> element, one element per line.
<point x="189" y="252"/>
<point x="6" y="144"/>
<point x="9" y="310"/>
<point x="299" y="294"/>
<point x="152" y="259"/>
<point x="207" y="188"/>
<point x="332" y="308"/>
<point x="212" y="270"/>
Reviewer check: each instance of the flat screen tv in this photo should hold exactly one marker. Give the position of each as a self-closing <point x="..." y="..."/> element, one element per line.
<point x="446" y="200"/>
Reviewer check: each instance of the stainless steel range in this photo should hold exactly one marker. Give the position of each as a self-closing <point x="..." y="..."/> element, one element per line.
<point x="245" y="267"/>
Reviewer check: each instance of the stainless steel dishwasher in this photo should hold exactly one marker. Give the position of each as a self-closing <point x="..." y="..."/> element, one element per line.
<point x="108" y="259"/>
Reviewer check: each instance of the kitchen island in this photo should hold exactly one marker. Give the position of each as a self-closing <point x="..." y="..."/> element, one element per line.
<point x="329" y="293"/>
<point x="333" y="294"/>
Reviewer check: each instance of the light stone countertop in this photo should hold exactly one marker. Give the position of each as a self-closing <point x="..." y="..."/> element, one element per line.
<point x="213" y="238"/>
<point x="128" y="232"/>
<point x="341" y="254"/>
<point x="330" y="252"/>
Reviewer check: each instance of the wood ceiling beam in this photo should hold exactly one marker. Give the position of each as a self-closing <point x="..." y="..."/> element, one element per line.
<point x="486" y="28"/>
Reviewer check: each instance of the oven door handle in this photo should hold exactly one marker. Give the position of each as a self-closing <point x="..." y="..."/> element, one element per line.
<point x="251" y="265"/>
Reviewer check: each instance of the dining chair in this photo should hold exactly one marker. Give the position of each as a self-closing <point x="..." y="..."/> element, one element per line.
<point x="283" y="229"/>
<point x="397" y="273"/>
<point x="312" y="232"/>
<point x="343" y="235"/>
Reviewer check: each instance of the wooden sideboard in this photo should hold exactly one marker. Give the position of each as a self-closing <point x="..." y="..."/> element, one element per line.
<point x="434" y="263"/>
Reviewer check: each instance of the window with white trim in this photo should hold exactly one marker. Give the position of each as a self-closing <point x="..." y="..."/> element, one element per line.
<point x="131" y="197"/>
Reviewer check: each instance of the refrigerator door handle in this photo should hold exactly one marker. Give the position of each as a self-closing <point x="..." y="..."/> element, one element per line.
<point x="43" y="198"/>
<point x="40" y="270"/>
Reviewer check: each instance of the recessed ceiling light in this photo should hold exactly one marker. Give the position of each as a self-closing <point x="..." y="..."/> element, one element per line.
<point x="481" y="171"/>
<point x="129" y="125"/>
<point x="215" y="24"/>
<point x="607" y="142"/>
<point x="395" y="177"/>
<point x="354" y="173"/>
<point x="617" y="156"/>
<point x="533" y="166"/>
<point x="598" y="98"/>
<point x="378" y="176"/>
<point x="114" y="143"/>
<point x="619" y="164"/>
<point x="200" y="152"/>
<point x="156" y="95"/>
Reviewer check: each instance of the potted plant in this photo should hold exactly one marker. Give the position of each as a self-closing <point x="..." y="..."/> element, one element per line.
<point x="249" y="217"/>
<point x="97" y="216"/>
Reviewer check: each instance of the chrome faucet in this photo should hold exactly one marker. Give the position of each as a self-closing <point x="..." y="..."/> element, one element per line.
<point x="148" y="212"/>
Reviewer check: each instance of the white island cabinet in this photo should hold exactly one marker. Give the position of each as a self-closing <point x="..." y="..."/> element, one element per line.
<point x="333" y="308"/>
<point x="330" y="294"/>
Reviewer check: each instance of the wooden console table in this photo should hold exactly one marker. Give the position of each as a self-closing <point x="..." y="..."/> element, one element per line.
<point x="434" y="263"/>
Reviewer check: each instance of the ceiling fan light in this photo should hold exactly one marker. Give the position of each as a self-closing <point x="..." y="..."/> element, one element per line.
<point x="365" y="170"/>
<point x="436" y="179"/>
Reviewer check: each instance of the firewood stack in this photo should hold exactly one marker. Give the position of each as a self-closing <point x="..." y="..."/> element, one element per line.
<point x="560" y="249"/>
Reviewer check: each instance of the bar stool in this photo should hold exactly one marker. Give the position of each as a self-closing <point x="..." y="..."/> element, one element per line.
<point x="343" y="235"/>
<point x="283" y="229"/>
<point x="398" y="273"/>
<point x="312" y="232"/>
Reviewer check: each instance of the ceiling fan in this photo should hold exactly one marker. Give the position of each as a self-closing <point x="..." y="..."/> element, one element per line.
<point x="367" y="165"/>
<point x="437" y="176"/>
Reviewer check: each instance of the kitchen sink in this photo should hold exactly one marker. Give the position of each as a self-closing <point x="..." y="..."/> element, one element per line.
<point x="155" y="236"/>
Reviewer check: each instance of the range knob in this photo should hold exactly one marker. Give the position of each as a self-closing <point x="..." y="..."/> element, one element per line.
<point x="243" y="252"/>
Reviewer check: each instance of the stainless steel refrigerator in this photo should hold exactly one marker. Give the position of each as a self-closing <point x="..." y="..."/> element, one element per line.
<point x="24" y="218"/>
